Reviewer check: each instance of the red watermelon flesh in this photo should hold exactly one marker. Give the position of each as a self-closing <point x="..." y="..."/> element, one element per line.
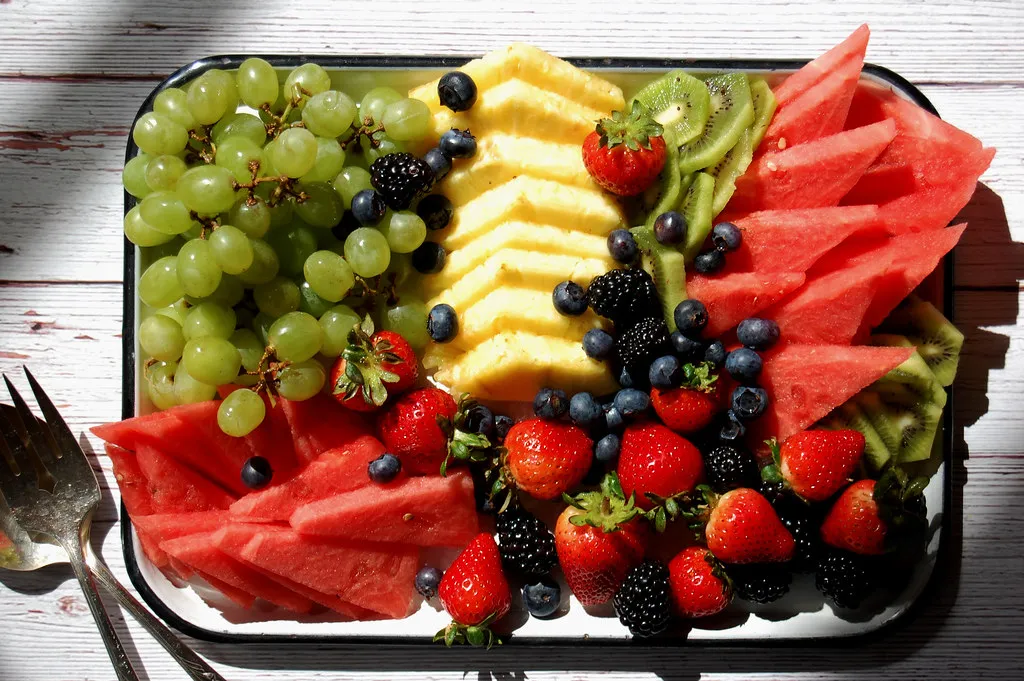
<point x="239" y="597"/>
<point x="806" y="382"/>
<point x="130" y="481"/>
<point x="731" y="298"/>
<point x="174" y="488"/>
<point x="810" y="175"/>
<point x="151" y="548"/>
<point x="154" y="529"/>
<point x="273" y="435"/>
<point x="320" y="424"/>
<point x="852" y="48"/>
<point x="200" y="552"/>
<point x="336" y="471"/>
<point x="427" y="511"/>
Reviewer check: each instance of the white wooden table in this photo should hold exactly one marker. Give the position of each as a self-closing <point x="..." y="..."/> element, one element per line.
<point x="72" y="75"/>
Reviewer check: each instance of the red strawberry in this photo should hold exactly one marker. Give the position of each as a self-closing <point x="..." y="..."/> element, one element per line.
<point x="869" y="517"/>
<point x="693" y="405"/>
<point x="373" y="366"/>
<point x="625" y="153"/>
<point x="654" y="460"/>
<point x="816" y="463"/>
<point x="410" y="430"/>
<point x="599" y="539"/>
<point x="698" y="583"/>
<point x="475" y="593"/>
<point x="545" y="459"/>
<point x="742" y="527"/>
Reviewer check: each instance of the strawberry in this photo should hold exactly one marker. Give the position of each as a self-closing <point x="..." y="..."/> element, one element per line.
<point x="373" y="366"/>
<point x="815" y="464"/>
<point x="599" y="538"/>
<point x="693" y="405"/>
<point x="742" y="527"/>
<point x="545" y="459"/>
<point x="870" y="517"/>
<point x="699" y="584"/>
<point x="655" y="461"/>
<point x="626" y="152"/>
<point x="475" y="593"/>
<point x="415" y="429"/>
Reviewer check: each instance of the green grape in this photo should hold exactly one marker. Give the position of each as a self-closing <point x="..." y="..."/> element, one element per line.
<point x="322" y="207"/>
<point x="133" y="177"/>
<point x="160" y="384"/>
<point x="329" y="113"/>
<point x="207" y="190"/>
<point x="252" y="217"/>
<point x="210" y="97"/>
<point x="261" y="326"/>
<point x="349" y="182"/>
<point x="277" y="297"/>
<point x="236" y="154"/>
<point x="281" y="213"/>
<point x="173" y="103"/>
<point x="178" y="311"/>
<point x="294" y="152"/>
<point x="310" y="302"/>
<point x="293" y="245"/>
<point x="265" y="264"/>
<point x="212" y="360"/>
<point x="267" y="169"/>
<point x="229" y="292"/>
<point x="165" y="212"/>
<point x="367" y="252"/>
<point x="158" y="285"/>
<point x="209" y="319"/>
<point x="295" y="337"/>
<point x="257" y="83"/>
<point x="385" y="146"/>
<point x="161" y="337"/>
<point x="330" y="159"/>
<point x="225" y="80"/>
<point x="249" y="348"/>
<point x="157" y="134"/>
<point x="141" y="233"/>
<point x="399" y="269"/>
<point x="231" y="248"/>
<point x="240" y="124"/>
<point x="407" y="120"/>
<point x="163" y="172"/>
<point x="241" y="412"/>
<point x="193" y="232"/>
<point x="409" y="320"/>
<point x="405" y="231"/>
<point x="336" y="324"/>
<point x="301" y="380"/>
<point x="305" y="81"/>
<point x="375" y="101"/>
<point x="198" y="271"/>
<point x="329" y="275"/>
<point x="187" y="390"/>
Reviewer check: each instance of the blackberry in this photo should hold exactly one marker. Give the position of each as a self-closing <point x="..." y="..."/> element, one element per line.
<point x="773" y="491"/>
<point x="802" y="522"/>
<point x="730" y="467"/>
<point x="399" y="178"/>
<point x="624" y="296"/>
<point x="525" y="542"/>
<point x="845" y="578"/>
<point x="760" y="582"/>
<point x="641" y="344"/>
<point x="642" y="602"/>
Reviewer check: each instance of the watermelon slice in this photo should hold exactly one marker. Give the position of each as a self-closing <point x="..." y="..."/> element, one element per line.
<point x="273" y="435"/>
<point x="130" y="481"/>
<point x="174" y="488"/>
<point x="320" y="424"/>
<point x="239" y="597"/>
<point x="813" y="174"/>
<point x="853" y="48"/>
<point x="731" y="298"/>
<point x="164" y="527"/>
<point x="427" y="511"/>
<point x="336" y="471"/>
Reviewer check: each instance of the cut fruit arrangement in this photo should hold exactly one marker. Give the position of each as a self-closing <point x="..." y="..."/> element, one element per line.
<point x="687" y="320"/>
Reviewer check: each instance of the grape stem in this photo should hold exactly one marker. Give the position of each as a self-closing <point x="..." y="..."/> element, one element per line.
<point x="266" y="372"/>
<point x="284" y="189"/>
<point x="367" y="129"/>
<point x="278" y="124"/>
<point x="377" y="286"/>
<point x="207" y="155"/>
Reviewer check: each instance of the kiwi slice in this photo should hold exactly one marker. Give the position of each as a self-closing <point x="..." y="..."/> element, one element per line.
<point x="849" y="416"/>
<point x="937" y="340"/>
<point x="764" y="109"/>
<point x="665" y="194"/>
<point x="732" y="112"/>
<point x="668" y="269"/>
<point x="725" y="172"/>
<point x="680" y="102"/>
<point x="905" y="424"/>
<point x="697" y="208"/>
<point x="913" y="373"/>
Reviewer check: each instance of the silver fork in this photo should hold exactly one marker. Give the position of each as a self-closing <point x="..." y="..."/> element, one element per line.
<point x="49" y="448"/>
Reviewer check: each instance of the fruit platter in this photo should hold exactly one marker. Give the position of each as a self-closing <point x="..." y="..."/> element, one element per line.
<point x="529" y="349"/>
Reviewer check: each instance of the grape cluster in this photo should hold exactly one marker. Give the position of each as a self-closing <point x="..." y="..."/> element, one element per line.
<point x="256" y="268"/>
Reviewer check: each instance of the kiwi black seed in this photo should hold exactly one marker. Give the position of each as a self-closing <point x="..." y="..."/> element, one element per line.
<point x="697" y="208"/>
<point x="937" y="340"/>
<point x="680" y="102"/>
<point x="732" y="112"/>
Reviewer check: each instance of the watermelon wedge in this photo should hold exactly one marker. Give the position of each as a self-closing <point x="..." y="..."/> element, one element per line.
<point x="152" y="530"/>
<point x="731" y="298"/>
<point x="130" y="481"/>
<point x="239" y="597"/>
<point x="427" y="511"/>
<point x="320" y="424"/>
<point x="810" y="175"/>
<point x="174" y="488"/>
<point x="336" y="471"/>
<point x="852" y="48"/>
<point x="273" y="435"/>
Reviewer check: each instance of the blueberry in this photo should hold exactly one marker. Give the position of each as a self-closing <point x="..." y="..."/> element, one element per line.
<point x="429" y="258"/>
<point x="748" y="403"/>
<point x="442" y="323"/>
<point x="758" y="334"/>
<point x="502" y="424"/>
<point x="744" y="365"/>
<point x="665" y="372"/>
<point x="384" y="468"/>
<point x="368" y="207"/>
<point x="715" y="353"/>
<point x="550" y="403"/>
<point x="584" y="410"/>
<point x="598" y="344"/>
<point x="626" y="379"/>
<point x="612" y="417"/>
<point x="687" y="348"/>
<point x="427" y="581"/>
<point x="256" y="472"/>
<point x="435" y="210"/>
<point x="457" y="143"/>
<point x="622" y="246"/>
<point x="726" y="237"/>
<point x="456" y="90"/>
<point x="670" y="228"/>
<point x="345" y="226"/>
<point x="607" y="448"/>
<point x="438" y="162"/>
<point x="480" y="419"/>
<point x="709" y="262"/>
<point x="631" y="402"/>
<point x="542" y="597"/>
<point x="691" y="317"/>
<point x="569" y="299"/>
<point x="732" y="429"/>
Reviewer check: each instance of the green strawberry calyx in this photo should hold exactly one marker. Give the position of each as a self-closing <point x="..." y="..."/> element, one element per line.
<point x="366" y="365"/>
<point x="462" y="444"/>
<point x="606" y="509"/>
<point x="477" y="635"/>
<point x="699" y="377"/>
<point x="633" y="130"/>
<point x="772" y="472"/>
<point x="901" y="505"/>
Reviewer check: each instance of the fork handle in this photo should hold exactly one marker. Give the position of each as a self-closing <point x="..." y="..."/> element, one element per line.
<point x="193" y="665"/>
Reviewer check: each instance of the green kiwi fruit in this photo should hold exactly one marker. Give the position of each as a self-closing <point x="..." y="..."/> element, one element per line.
<point x="725" y="172"/>
<point x="732" y="112"/>
<point x="665" y="194"/>
<point x="680" y="102"/>
<point x="764" y="109"/>
<point x="697" y="209"/>
<point x="937" y="340"/>
<point x="849" y="416"/>
<point x="668" y="269"/>
<point x="913" y="373"/>
<point x="905" y="424"/>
